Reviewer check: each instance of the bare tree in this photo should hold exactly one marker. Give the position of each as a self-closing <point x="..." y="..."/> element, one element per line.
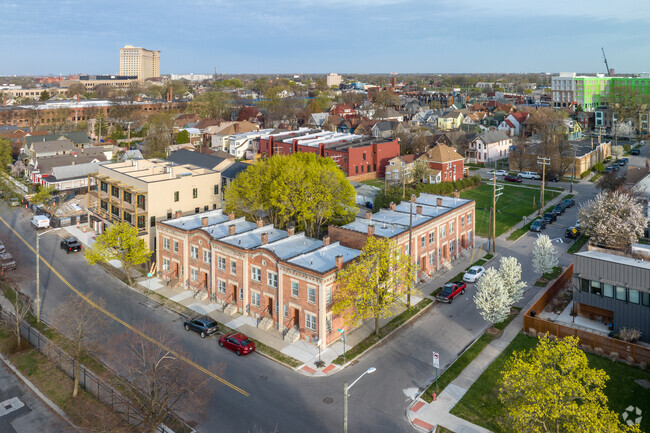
<point x="79" y="320"/>
<point x="21" y="310"/>
<point x="521" y="154"/>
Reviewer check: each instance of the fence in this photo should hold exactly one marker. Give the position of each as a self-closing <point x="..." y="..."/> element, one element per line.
<point x="628" y="351"/>
<point x="88" y="380"/>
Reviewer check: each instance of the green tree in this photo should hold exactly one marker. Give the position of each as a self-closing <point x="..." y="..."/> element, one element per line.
<point x="551" y="388"/>
<point x="5" y="155"/>
<point x="120" y="242"/>
<point x="303" y="188"/>
<point x="183" y="137"/>
<point x="211" y="104"/>
<point x="372" y="285"/>
<point x="45" y="96"/>
<point x="43" y="194"/>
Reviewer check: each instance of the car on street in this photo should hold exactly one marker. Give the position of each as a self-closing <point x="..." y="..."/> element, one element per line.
<point x="511" y="178"/>
<point x="569" y="202"/>
<point x="14" y="201"/>
<point x="549" y="217"/>
<point x="623" y="161"/>
<point x="608" y="169"/>
<point x="558" y="210"/>
<point x="572" y="232"/>
<point x="530" y="175"/>
<point x="473" y="274"/>
<point x="554" y="179"/>
<point x="7" y="262"/>
<point x="499" y="172"/>
<point x="238" y="343"/>
<point x="204" y="326"/>
<point x="450" y="290"/>
<point x="615" y="166"/>
<point x="635" y="152"/>
<point x="538" y="225"/>
<point x="2" y="248"/>
<point x="70" y="245"/>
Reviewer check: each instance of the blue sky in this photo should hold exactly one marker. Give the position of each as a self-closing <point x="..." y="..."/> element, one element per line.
<point x="320" y="36"/>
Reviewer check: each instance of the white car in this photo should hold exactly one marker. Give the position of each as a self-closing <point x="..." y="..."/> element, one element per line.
<point x="499" y="172"/>
<point x="473" y="274"/>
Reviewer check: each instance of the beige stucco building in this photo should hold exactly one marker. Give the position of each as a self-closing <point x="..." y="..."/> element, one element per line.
<point x="140" y="62"/>
<point x="143" y="192"/>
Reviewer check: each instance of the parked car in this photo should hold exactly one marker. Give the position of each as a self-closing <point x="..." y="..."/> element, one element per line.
<point x="635" y="152"/>
<point x="569" y="202"/>
<point x="615" y="166"/>
<point x="530" y="175"/>
<point x="554" y="179"/>
<point x="473" y="274"/>
<point x="558" y="210"/>
<point x="14" y="201"/>
<point x="608" y="169"/>
<point x="40" y="222"/>
<point x="7" y="262"/>
<point x="203" y="326"/>
<point x="549" y="217"/>
<point x="538" y="225"/>
<point x="511" y="178"/>
<point x="624" y="161"/>
<point x="70" y="245"/>
<point x="238" y="343"/>
<point x="450" y="291"/>
<point x="572" y="232"/>
<point x="499" y="172"/>
<point x="2" y="248"/>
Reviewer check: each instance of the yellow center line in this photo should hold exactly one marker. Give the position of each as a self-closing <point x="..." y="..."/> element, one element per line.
<point x="126" y="325"/>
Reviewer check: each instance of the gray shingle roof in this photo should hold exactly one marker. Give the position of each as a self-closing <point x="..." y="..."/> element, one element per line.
<point x="195" y="158"/>
<point x="493" y="136"/>
<point x="232" y="171"/>
<point x="53" y="146"/>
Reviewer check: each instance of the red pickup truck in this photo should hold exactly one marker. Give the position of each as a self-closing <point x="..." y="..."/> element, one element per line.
<point x="450" y="291"/>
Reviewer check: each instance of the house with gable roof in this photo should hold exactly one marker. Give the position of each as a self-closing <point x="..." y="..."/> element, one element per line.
<point x="489" y="146"/>
<point x="446" y="164"/>
<point x="451" y="120"/>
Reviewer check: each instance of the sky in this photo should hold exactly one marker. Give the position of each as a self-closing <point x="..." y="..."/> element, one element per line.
<point x="42" y="37"/>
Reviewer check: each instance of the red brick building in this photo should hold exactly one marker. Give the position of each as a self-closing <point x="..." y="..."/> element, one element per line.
<point x="446" y="160"/>
<point x="355" y="154"/>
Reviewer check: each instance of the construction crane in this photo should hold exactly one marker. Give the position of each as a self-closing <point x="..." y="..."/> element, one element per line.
<point x="606" y="65"/>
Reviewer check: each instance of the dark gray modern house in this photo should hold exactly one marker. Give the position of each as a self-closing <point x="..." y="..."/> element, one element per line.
<point x="614" y="289"/>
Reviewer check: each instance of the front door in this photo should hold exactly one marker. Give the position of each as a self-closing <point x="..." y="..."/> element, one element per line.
<point x="296" y="318"/>
<point x="270" y="306"/>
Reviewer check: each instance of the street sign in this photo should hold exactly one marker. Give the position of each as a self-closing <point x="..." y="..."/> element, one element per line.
<point x="436" y="360"/>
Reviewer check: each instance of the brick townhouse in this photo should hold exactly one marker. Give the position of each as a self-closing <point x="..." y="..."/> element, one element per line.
<point x="282" y="279"/>
<point x="443" y="227"/>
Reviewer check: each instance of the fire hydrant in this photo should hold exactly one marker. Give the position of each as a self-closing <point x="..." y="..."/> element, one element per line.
<point x="434" y="396"/>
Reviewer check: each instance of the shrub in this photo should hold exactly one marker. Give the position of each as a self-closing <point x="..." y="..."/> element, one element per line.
<point x="627" y="147"/>
<point x="599" y="351"/>
<point x="613" y="356"/>
<point x="599" y="167"/>
<point x="584" y="174"/>
<point x="630" y="335"/>
<point x="532" y="332"/>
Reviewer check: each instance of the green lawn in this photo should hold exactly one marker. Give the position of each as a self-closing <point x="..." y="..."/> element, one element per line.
<point x="481" y="405"/>
<point x="379" y="183"/>
<point x="513" y="204"/>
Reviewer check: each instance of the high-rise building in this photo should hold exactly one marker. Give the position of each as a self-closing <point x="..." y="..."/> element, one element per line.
<point x="140" y="62"/>
<point x="333" y="79"/>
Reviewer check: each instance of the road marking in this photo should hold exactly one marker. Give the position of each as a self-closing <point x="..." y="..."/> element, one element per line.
<point x="126" y="325"/>
<point x="10" y="405"/>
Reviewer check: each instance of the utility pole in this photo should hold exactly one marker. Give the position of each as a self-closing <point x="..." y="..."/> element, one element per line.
<point x="408" y="293"/>
<point x="544" y="162"/>
<point x="38" y="280"/>
<point x="496" y="192"/>
<point x="573" y="169"/>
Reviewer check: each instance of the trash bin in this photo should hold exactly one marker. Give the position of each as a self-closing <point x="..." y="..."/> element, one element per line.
<point x="532" y="314"/>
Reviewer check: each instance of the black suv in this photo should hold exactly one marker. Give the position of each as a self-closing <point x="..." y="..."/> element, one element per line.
<point x="558" y="210"/>
<point x="203" y="325"/>
<point x="7" y="262"/>
<point x="572" y="232"/>
<point x="70" y="245"/>
<point x="569" y="202"/>
<point x="549" y="217"/>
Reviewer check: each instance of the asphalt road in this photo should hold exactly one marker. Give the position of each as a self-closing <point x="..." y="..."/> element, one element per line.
<point x="280" y="399"/>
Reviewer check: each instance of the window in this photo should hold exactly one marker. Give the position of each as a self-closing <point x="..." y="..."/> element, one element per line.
<point x="141" y="221"/>
<point x="194" y="275"/>
<point x="423" y="241"/>
<point x="221" y="263"/>
<point x="595" y="288"/>
<point x="216" y="190"/>
<point x="608" y="290"/>
<point x="295" y="290"/>
<point x="584" y="285"/>
<point x="165" y="243"/>
<point x="452" y="246"/>
<point x="152" y="221"/>
<point x="462" y="221"/>
<point x="233" y="267"/>
<point x="255" y="298"/>
<point x="141" y="201"/>
<point x="469" y="236"/>
<point x="469" y="218"/>
<point x="104" y="205"/>
<point x="127" y="197"/>
<point x="432" y="237"/>
<point x="432" y="258"/>
<point x="169" y="215"/>
<point x="241" y="293"/>
<point x="452" y="226"/>
<point x="176" y="247"/>
<point x="443" y="231"/>
<point x="194" y="251"/>
<point x="128" y="217"/>
<point x="621" y="293"/>
<point x="115" y="191"/>
<point x="311" y="295"/>
<point x="256" y="274"/>
<point x="221" y="287"/>
<point x="272" y="279"/>
<point x="633" y="296"/>
<point x="328" y="322"/>
<point x="286" y="311"/>
<point x="310" y="321"/>
<point x="328" y="295"/>
<point x="165" y="265"/>
<point x="176" y="196"/>
<point x="103" y="186"/>
<point x="115" y="210"/>
<point x="645" y="298"/>
<point x="207" y="256"/>
<point x="356" y="169"/>
<point x="195" y="192"/>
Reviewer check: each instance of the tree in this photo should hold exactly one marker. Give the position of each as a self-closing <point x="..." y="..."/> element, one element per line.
<point x="21" y="310"/>
<point x="45" y="96"/>
<point x="159" y="135"/>
<point x="5" y="155"/>
<point x="386" y="99"/>
<point x="370" y="286"/>
<point x="120" y="242"/>
<point x="17" y="168"/>
<point x="75" y="89"/>
<point x="248" y="113"/>
<point x="420" y="171"/>
<point x="492" y="299"/>
<point x="610" y="182"/>
<point x="551" y="388"/>
<point x="210" y="104"/>
<point x="303" y="188"/>
<point x="79" y="321"/>
<point x="43" y="195"/>
<point x="183" y="137"/>
<point x="521" y="153"/>
<point x="544" y="255"/>
<point x="613" y="219"/>
<point x="510" y="273"/>
<point x="617" y="151"/>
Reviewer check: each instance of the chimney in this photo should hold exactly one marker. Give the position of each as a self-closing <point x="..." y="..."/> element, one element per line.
<point x="439" y="201"/>
<point x="456" y="194"/>
<point x="265" y="238"/>
<point x="231" y="229"/>
<point x="291" y="230"/>
<point x="204" y="222"/>
<point x="413" y="198"/>
<point x="231" y="216"/>
<point x="392" y="205"/>
<point x="418" y="210"/>
<point x="236" y="126"/>
<point x="179" y="213"/>
<point x="368" y="215"/>
<point x="171" y="173"/>
<point x="259" y="223"/>
<point x="338" y="261"/>
<point x="371" y="229"/>
<point x="326" y="240"/>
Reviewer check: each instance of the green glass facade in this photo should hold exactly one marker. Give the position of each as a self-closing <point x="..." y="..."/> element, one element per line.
<point x="592" y="92"/>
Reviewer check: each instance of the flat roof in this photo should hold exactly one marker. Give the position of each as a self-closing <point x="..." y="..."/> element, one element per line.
<point x="293" y="245"/>
<point x="253" y="238"/>
<point x="221" y="230"/>
<point x="401" y="218"/>
<point x="613" y="258"/>
<point x="324" y="259"/>
<point x="448" y="202"/>
<point x="191" y="222"/>
<point x="432" y="211"/>
<point x="386" y="230"/>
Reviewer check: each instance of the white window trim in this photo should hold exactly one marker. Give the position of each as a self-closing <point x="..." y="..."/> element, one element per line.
<point x="256" y="271"/>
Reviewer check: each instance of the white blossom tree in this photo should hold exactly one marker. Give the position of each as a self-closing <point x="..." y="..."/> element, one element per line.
<point x="492" y="299"/>
<point x="510" y="273"/>
<point x="613" y="219"/>
<point x="544" y="255"/>
<point x="618" y="151"/>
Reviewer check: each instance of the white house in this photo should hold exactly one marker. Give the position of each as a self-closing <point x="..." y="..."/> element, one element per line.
<point x="513" y="124"/>
<point x="489" y="146"/>
<point x="238" y="144"/>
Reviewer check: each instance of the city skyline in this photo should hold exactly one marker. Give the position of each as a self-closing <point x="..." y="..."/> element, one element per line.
<point x="305" y="36"/>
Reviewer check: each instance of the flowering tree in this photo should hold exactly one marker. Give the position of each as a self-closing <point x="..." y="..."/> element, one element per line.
<point x="510" y="273"/>
<point x="492" y="299"/>
<point x="544" y="255"/>
<point x="18" y="168"/>
<point x="613" y="219"/>
<point x="617" y="151"/>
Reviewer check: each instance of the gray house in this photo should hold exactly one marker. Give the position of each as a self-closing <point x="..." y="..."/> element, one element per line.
<point x="613" y="289"/>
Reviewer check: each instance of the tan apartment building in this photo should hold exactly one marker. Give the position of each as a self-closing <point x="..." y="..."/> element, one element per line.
<point x="143" y="192"/>
<point x="140" y="62"/>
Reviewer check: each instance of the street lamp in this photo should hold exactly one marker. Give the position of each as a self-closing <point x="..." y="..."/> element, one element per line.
<point x="346" y="388"/>
<point x="342" y="331"/>
<point x="38" y="274"/>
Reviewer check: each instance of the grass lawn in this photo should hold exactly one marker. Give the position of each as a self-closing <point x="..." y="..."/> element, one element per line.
<point x="513" y="204"/>
<point x="379" y="183"/>
<point x="481" y="405"/>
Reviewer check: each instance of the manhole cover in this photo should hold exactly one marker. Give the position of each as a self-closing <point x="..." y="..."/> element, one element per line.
<point x="263" y="377"/>
<point x="328" y="400"/>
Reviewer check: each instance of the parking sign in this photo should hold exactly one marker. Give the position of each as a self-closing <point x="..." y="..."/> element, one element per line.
<point x="436" y="360"/>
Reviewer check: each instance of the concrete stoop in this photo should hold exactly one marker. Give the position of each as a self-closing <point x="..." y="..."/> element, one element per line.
<point x="292" y="335"/>
<point x="266" y="323"/>
<point x="231" y="309"/>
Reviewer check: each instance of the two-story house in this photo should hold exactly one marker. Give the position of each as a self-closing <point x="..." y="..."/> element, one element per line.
<point x="450" y="121"/>
<point x="489" y="146"/>
<point x="446" y="164"/>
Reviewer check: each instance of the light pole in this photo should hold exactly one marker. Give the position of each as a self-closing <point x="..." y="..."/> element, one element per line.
<point x="346" y="388"/>
<point x="38" y="274"/>
<point x="342" y="331"/>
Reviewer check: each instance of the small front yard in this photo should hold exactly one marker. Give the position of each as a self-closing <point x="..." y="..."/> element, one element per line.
<point x="379" y="183"/>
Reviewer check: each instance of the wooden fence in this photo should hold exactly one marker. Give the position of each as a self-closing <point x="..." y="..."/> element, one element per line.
<point x="633" y="352"/>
